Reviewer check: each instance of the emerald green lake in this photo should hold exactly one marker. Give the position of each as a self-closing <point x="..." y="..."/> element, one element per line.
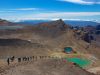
<point x="79" y="61"/>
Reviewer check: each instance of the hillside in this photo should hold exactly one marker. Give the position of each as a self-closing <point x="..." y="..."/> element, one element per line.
<point x="53" y="35"/>
<point x="47" y="67"/>
<point x="47" y="39"/>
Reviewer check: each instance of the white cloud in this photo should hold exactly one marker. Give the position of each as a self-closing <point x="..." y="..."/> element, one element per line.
<point x="8" y="11"/>
<point x="58" y="15"/>
<point x="18" y="9"/>
<point x="65" y="14"/>
<point x="87" y="2"/>
<point x="25" y="9"/>
<point x="55" y="16"/>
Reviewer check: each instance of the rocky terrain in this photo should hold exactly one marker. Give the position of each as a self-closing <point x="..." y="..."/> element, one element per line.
<point x="46" y="67"/>
<point x="44" y="39"/>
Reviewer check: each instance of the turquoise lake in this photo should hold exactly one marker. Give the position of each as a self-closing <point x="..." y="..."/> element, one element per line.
<point x="79" y="61"/>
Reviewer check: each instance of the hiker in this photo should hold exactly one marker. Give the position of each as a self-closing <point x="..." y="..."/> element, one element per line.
<point x="8" y="61"/>
<point x="40" y="57"/>
<point x="19" y="59"/>
<point x="28" y="58"/>
<point x="36" y="57"/>
<point x="49" y="57"/>
<point x="33" y="57"/>
<point x="12" y="58"/>
<point x="23" y="58"/>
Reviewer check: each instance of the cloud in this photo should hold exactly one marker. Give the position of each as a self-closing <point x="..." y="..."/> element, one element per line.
<point x="18" y="9"/>
<point x="85" y="2"/>
<point x="66" y="14"/>
<point x="55" y="16"/>
<point x="6" y="11"/>
<point x="25" y="9"/>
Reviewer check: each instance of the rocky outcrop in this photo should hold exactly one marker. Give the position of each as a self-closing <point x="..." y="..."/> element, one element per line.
<point x="4" y="22"/>
<point x="56" y="25"/>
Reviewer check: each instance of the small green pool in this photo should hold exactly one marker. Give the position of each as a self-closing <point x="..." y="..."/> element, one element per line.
<point x="68" y="49"/>
<point x="79" y="61"/>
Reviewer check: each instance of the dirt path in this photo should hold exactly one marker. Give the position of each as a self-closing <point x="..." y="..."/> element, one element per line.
<point x="42" y="67"/>
<point x="46" y="67"/>
<point x="95" y="70"/>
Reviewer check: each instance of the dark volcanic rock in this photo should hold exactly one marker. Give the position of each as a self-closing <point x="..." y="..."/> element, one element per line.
<point x="56" y="25"/>
<point x="13" y="42"/>
<point x="53" y="28"/>
<point x="88" y="37"/>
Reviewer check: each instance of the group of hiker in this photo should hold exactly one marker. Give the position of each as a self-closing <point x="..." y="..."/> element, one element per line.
<point x="11" y="59"/>
<point x="21" y="59"/>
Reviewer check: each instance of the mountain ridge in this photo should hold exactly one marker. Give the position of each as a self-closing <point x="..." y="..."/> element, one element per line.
<point x="70" y="22"/>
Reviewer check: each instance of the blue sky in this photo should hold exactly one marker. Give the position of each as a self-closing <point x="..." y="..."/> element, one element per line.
<point x="50" y="9"/>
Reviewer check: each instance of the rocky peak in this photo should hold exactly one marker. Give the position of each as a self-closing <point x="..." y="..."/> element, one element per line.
<point x="54" y="25"/>
<point x="59" y="22"/>
<point x="4" y="22"/>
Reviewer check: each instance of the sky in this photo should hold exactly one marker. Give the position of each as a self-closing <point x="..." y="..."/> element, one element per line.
<point x="16" y="10"/>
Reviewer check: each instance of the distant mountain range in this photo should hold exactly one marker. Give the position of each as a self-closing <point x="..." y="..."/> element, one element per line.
<point x="35" y="22"/>
<point x="32" y="22"/>
<point x="70" y="22"/>
<point x="81" y="23"/>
